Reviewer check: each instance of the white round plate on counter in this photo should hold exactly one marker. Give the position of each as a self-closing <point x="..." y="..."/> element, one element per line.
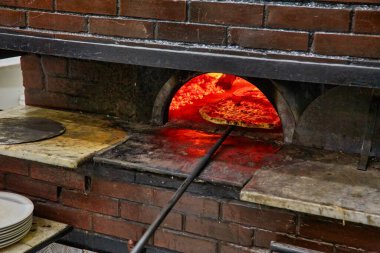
<point x="15" y="217"/>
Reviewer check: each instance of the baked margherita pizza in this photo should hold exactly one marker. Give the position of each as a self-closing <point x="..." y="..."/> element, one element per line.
<point x="248" y="107"/>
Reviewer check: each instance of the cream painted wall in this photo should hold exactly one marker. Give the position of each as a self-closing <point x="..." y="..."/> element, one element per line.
<point x="11" y="88"/>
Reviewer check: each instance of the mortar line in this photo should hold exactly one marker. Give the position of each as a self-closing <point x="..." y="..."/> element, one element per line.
<point x="351" y="21"/>
<point x="310" y="41"/>
<point x="27" y="19"/>
<point x="188" y="12"/>
<point x="155" y="30"/>
<point x="298" y="224"/>
<point x="87" y="24"/>
<point x="265" y="16"/>
<point x="44" y="75"/>
<point x="118" y="7"/>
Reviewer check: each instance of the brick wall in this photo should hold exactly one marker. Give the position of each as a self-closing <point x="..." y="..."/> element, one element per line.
<point x="344" y="29"/>
<point x="118" y="206"/>
<point x="113" y="89"/>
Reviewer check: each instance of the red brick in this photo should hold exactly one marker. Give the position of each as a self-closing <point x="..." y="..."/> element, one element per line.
<point x="105" y="74"/>
<point x="90" y="202"/>
<point x="347" y="45"/>
<point x="49" y="99"/>
<point x="355" y="235"/>
<point x="40" y="4"/>
<point x="58" y="22"/>
<point x="147" y="214"/>
<point x="263" y="239"/>
<point x="68" y="86"/>
<point x="74" y="217"/>
<point x="193" y="33"/>
<point x="183" y="242"/>
<point x="133" y="192"/>
<point x="122" y="28"/>
<point x="117" y="227"/>
<point x="223" y="231"/>
<point x="32" y="73"/>
<point x="83" y="6"/>
<point x="308" y="18"/>
<point x="231" y="248"/>
<point x="226" y="13"/>
<point x="31" y="187"/>
<point x="156" y="9"/>
<point x="55" y="66"/>
<point x="258" y="216"/>
<point x="366" y="21"/>
<point x="13" y="165"/>
<point x="12" y="18"/>
<point x="269" y="39"/>
<point x="189" y="204"/>
<point x="59" y="176"/>
<point x="119" y="106"/>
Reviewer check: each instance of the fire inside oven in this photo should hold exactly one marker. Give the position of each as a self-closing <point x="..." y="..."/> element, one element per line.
<point x="199" y="112"/>
<point x="223" y="99"/>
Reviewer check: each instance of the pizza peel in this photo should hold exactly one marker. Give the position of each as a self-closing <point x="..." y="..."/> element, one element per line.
<point x="28" y="129"/>
<point x="198" y="168"/>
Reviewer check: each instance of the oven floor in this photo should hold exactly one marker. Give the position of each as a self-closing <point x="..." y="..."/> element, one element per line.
<point x="174" y="151"/>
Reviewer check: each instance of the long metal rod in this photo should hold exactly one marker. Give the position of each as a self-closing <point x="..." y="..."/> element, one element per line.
<point x="202" y="163"/>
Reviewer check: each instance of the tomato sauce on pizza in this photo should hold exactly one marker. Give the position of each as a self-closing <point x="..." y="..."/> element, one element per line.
<point x="223" y="99"/>
<point x="247" y="107"/>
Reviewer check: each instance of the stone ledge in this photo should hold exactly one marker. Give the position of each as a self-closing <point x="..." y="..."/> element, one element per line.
<point x="317" y="187"/>
<point x="85" y="135"/>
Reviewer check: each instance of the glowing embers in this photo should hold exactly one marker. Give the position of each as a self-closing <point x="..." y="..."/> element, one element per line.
<point x="223" y="99"/>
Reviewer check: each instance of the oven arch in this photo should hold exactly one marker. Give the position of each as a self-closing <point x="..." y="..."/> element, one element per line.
<point x="271" y="90"/>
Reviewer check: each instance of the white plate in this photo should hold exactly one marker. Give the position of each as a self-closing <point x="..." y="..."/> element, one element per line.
<point x="14" y="208"/>
<point x="14" y="227"/>
<point x="14" y="240"/>
<point x="15" y="233"/>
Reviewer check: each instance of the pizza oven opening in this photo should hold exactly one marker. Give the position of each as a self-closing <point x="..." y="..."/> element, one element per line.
<point x="209" y="102"/>
<point x="192" y="112"/>
<point x="223" y="99"/>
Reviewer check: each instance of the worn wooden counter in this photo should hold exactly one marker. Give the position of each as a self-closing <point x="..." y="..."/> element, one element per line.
<point x="42" y="233"/>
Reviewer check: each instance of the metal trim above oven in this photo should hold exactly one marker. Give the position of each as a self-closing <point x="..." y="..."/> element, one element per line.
<point x="290" y="70"/>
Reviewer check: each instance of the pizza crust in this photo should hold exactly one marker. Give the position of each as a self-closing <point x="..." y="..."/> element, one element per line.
<point x="244" y="111"/>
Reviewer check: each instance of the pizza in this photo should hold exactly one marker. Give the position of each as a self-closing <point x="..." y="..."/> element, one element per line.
<point x="247" y="107"/>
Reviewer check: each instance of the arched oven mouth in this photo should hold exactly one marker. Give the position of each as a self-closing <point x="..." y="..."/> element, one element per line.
<point x="193" y="114"/>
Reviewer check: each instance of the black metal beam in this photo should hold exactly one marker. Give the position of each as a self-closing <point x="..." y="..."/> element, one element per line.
<point x="339" y="74"/>
<point x="101" y="243"/>
<point x="7" y="54"/>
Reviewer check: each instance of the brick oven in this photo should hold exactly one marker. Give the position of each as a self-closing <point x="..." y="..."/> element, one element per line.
<point x="312" y="183"/>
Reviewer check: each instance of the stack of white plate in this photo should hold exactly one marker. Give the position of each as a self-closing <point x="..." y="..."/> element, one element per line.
<point x="15" y="218"/>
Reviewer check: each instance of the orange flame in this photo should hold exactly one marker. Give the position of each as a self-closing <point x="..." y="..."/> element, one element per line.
<point x="212" y="88"/>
